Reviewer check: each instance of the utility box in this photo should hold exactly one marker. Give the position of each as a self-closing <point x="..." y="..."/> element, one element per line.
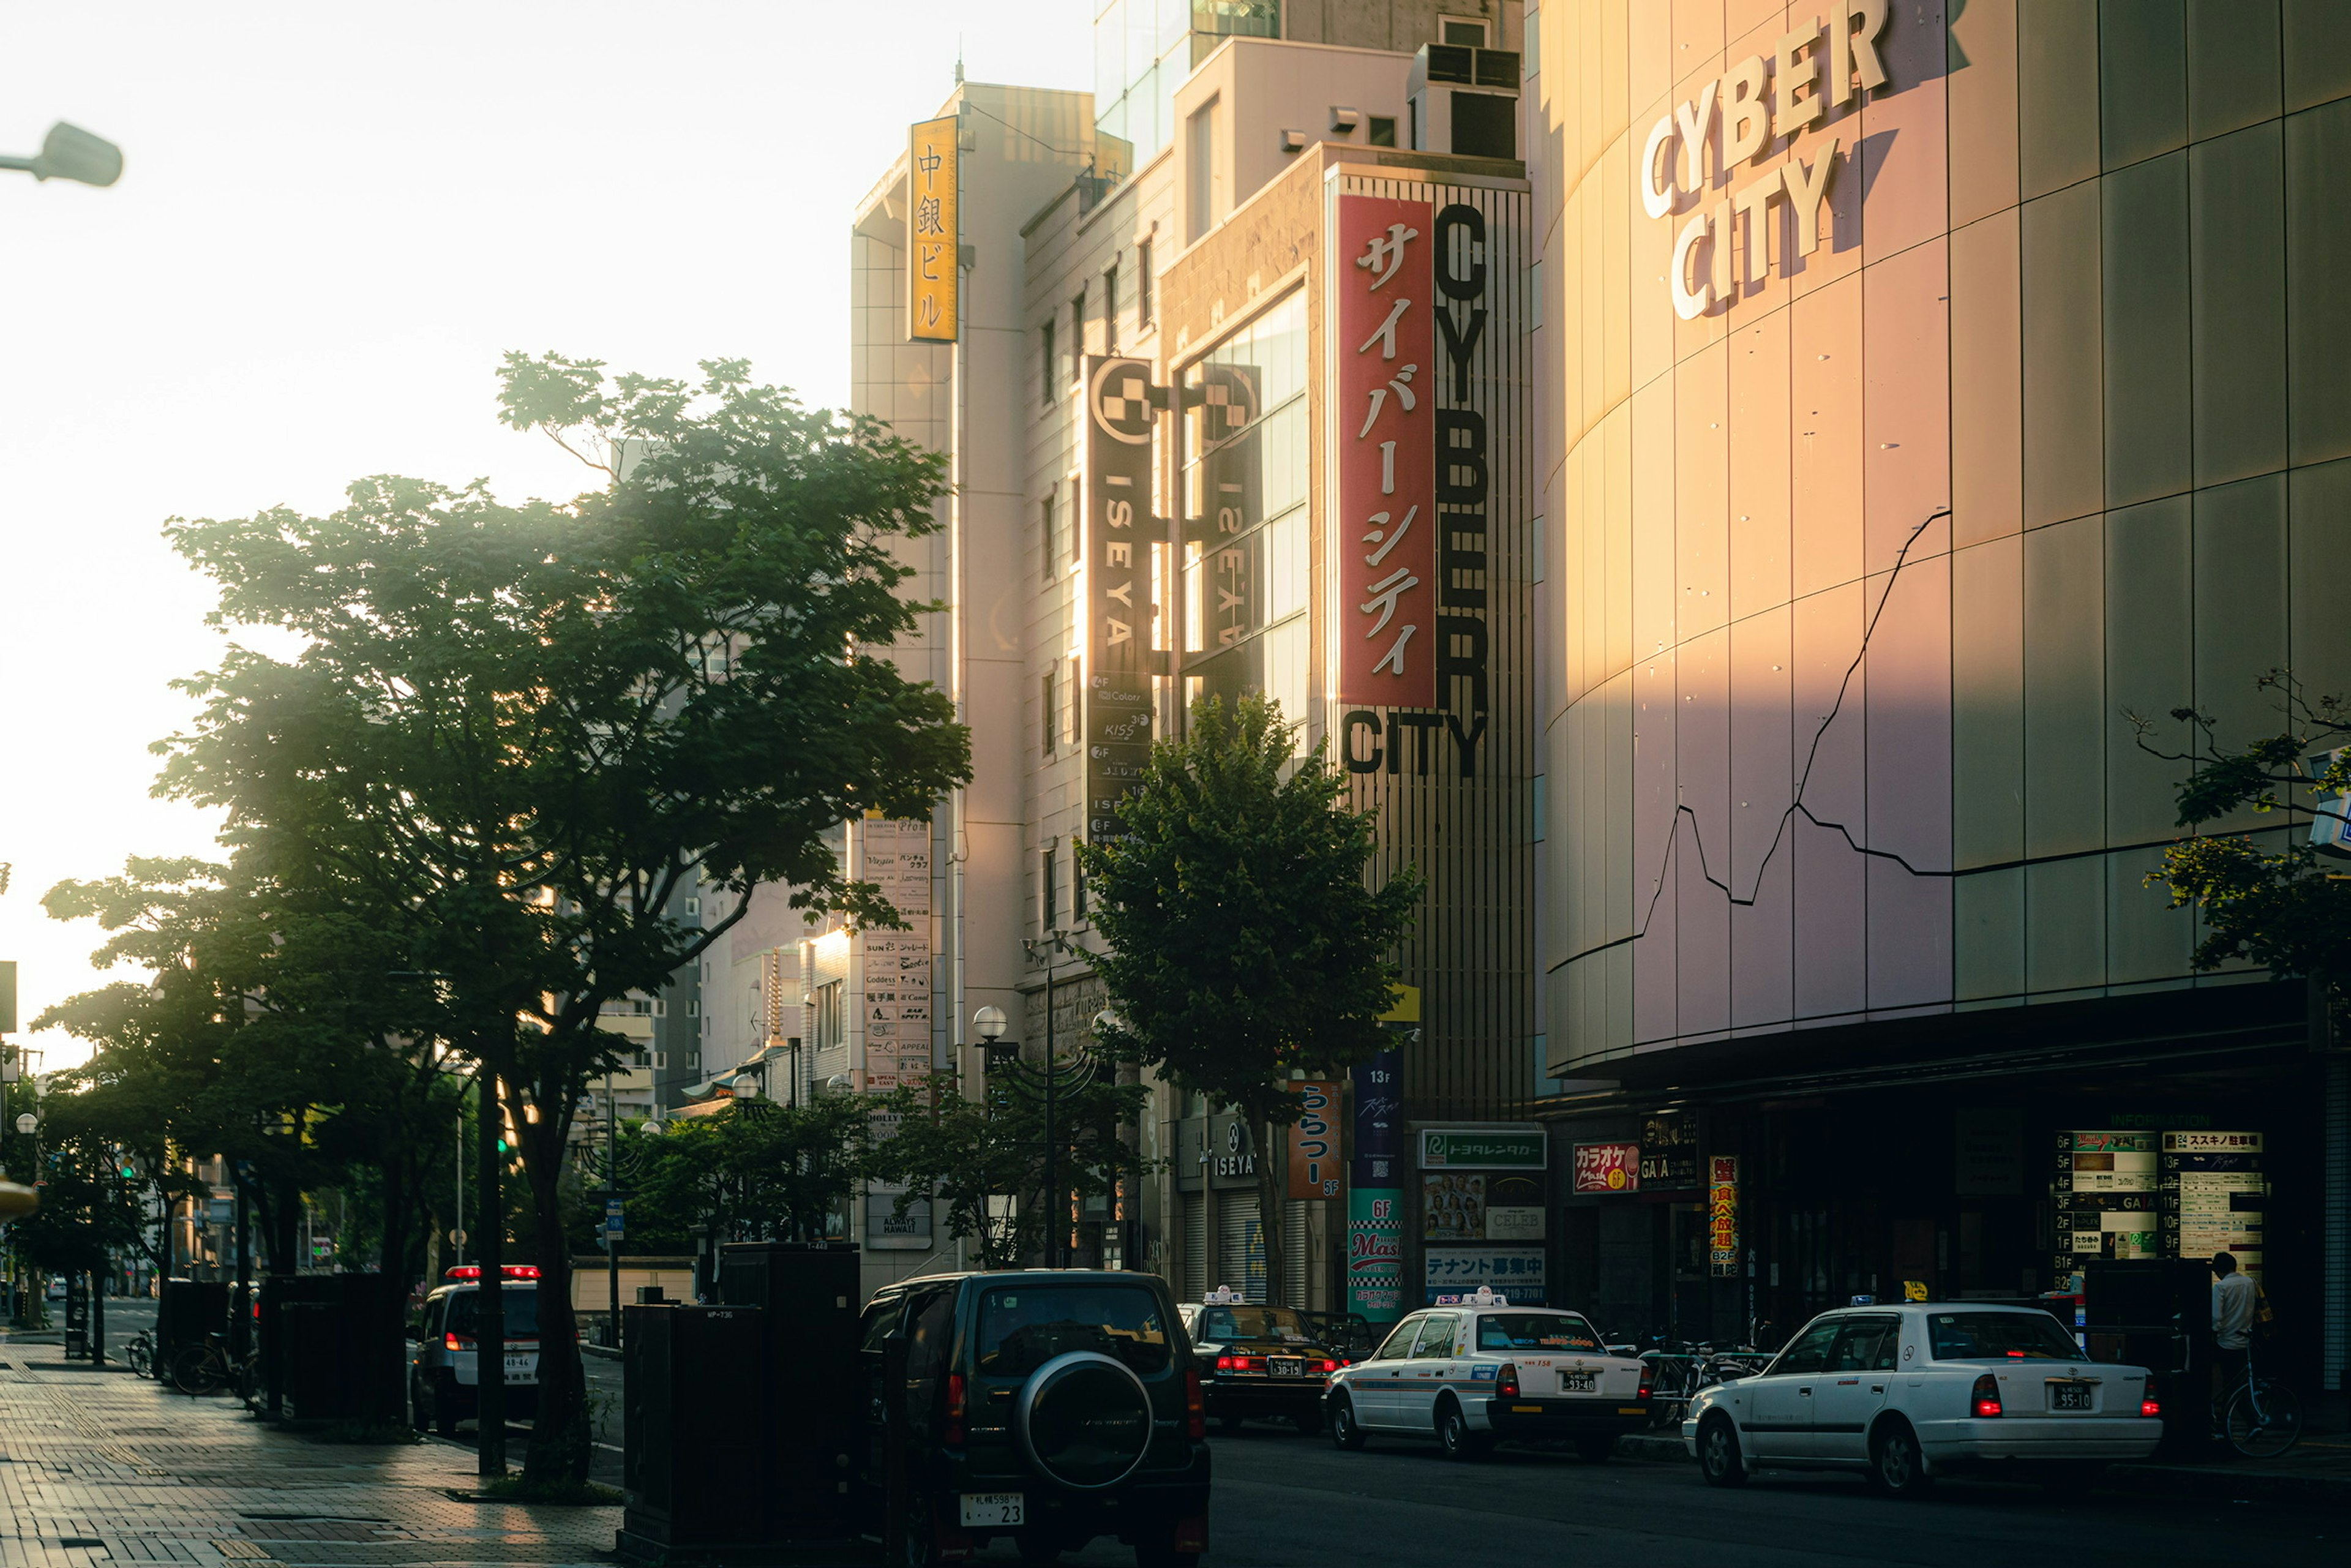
<point x="332" y="1347"/>
<point x="186" y="1312"/>
<point x="694" y="1424"/>
<point x="809" y="1296"/>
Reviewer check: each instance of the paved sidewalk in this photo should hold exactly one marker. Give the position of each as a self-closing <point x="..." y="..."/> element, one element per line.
<point x="99" y="1468"/>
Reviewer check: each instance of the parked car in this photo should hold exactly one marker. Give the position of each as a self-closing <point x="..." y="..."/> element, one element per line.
<point x="1046" y="1407"/>
<point x="444" y="1365"/>
<point x="1259" y="1361"/>
<point x="1903" y="1393"/>
<point x="1349" y="1336"/>
<point x="1470" y="1374"/>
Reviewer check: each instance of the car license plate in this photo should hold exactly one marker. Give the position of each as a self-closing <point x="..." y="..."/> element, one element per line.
<point x="1285" y="1366"/>
<point x="525" y="1366"/>
<point x="2069" y="1396"/>
<point x="988" y="1510"/>
<point x="1578" y="1382"/>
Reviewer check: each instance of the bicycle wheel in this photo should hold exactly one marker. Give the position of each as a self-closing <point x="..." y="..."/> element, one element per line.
<point x="195" y="1370"/>
<point x="2264" y="1419"/>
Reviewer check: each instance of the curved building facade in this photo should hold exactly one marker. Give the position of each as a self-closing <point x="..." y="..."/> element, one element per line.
<point x="1923" y="389"/>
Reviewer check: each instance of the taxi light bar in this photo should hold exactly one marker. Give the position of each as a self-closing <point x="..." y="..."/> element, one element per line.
<point x="1985" y="1401"/>
<point x="473" y="1272"/>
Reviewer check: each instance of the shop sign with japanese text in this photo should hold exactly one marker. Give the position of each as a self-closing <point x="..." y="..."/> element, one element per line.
<point x="1722" y="1215"/>
<point x="1483" y="1148"/>
<point x="1513" y="1271"/>
<point x="934" y="278"/>
<point x="1607" y="1167"/>
<point x="1316" y="1169"/>
<point x="1375" y="1254"/>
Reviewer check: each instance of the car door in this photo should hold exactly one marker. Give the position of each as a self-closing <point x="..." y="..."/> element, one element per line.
<point x="1779" y="1420"/>
<point x="1426" y="1374"/>
<point x="1851" y="1389"/>
<point x="1376" y="1388"/>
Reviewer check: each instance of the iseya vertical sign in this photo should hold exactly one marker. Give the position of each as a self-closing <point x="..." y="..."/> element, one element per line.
<point x="1386" y="350"/>
<point x="1116" y="458"/>
<point x="934" y="301"/>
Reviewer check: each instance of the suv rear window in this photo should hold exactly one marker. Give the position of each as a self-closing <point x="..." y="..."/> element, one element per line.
<point x="1022" y="1327"/>
<point x="2000" y="1336"/>
<point x="521" y="1310"/>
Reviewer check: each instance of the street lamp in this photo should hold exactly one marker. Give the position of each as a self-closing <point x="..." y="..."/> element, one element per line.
<point x="70" y="152"/>
<point x="28" y="1123"/>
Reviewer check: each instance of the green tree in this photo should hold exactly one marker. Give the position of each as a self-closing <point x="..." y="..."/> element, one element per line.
<point x="982" y="1162"/>
<point x="2287" y="909"/>
<point x="1248" y="936"/>
<point x="752" y="1171"/>
<point x="534" y="728"/>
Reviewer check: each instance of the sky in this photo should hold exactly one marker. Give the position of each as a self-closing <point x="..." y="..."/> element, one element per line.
<point x="332" y="222"/>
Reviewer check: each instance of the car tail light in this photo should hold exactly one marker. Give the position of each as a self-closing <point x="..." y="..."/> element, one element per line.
<point x="2148" y="1405"/>
<point x="1985" y="1401"/>
<point x="1192" y="1535"/>
<point x="1506" y="1382"/>
<point x="457" y="1342"/>
<point x="951" y="1432"/>
<point x="1328" y="1365"/>
<point x="1196" y="1409"/>
<point x="1224" y="1363"/>
<point x="1645" y="1386"/>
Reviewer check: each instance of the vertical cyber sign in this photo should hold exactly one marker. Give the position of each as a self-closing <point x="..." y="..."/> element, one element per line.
<point x="1119" y="533"/>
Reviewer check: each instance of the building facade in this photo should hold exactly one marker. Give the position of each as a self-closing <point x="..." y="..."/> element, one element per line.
<point x="1921" y="393"/>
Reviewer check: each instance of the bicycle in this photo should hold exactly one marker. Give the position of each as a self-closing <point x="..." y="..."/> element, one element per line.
<point x="209" y="1367"/>
<point x="141" y="1353"/>
<point x="2263" y="1417"/>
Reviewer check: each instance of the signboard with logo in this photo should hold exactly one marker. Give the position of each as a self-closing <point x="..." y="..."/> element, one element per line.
<point x="1375" y="1254"/>
<point x="2215" y="1195"/>
<point x="894" y="1023"/>
<point x="1118" y="534"/>
<point x="1607" y="1167"/>
<point x="1513" y="1271"/>
<point x="1317" y="1169"/>
<point x="1669" y="1150"/>
<point x="1483" y="1148"/>
<point x="1722" y="1215"/>
<point x="934" y="232"/>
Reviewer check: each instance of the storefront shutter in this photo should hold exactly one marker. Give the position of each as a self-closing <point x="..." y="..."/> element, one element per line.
<point x="1192" y="1269"/>
<point x="1241" y="1247"/>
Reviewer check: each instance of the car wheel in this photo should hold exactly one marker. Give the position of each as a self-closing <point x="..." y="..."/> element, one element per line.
<point x="1309" y="1422"/>
<point x="1594" y="1449"/>
<point x="1896" y="1467"/>
<point x="1454" y="1435"/>
<point x="1718" y="1460"/>
<point x="1346" y="1432"/>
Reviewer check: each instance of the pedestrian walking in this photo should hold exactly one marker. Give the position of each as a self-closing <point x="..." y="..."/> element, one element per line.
<point x="2235" y="1298"/>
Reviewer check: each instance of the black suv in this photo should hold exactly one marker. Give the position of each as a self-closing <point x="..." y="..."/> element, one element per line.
<point x="1043" y="1407"/>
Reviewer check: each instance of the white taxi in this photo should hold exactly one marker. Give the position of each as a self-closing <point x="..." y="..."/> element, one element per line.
<point x="1906" y="1393"/>
<point x="1473" y="1370"/>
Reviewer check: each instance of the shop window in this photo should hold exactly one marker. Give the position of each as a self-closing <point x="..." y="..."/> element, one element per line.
<point x="1381" y="131"/>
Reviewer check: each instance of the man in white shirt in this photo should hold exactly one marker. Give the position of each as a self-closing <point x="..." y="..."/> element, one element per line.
<point x="2234" y="1297"/>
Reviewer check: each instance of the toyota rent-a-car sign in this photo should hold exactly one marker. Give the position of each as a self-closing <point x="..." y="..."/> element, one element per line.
<point x="1483" y="1148"/>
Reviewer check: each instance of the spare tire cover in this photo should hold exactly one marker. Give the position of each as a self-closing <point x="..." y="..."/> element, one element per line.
<point x="1083" y="1420"/>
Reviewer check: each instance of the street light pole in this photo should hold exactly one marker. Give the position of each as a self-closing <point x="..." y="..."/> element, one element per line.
<point x="611" y="1193"/>
<point x="1049" y="944"/>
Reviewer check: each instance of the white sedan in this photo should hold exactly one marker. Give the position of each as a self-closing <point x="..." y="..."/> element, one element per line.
<point x="1469" y="1375"/>
<point x="1908" y="1393"/>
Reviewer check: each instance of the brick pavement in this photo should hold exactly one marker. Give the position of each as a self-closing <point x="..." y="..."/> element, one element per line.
<point x="99" y="1469"/>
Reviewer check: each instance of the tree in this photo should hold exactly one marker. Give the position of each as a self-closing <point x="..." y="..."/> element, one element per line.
<point x="982" y="1162"/>
<point x="2287" y="909"/>
<point x="1246" y="938"/>
<point x="533" y="729"/>
<point x="750" y="1171"/>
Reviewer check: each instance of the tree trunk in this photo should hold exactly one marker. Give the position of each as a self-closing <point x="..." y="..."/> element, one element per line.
<point x="1269" y="1208"/>
<point x="561" y="1438"/>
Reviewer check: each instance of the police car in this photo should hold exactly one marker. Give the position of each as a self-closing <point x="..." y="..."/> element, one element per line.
<point x="1473" y="1370"/>
<point x="444" y="1375"/>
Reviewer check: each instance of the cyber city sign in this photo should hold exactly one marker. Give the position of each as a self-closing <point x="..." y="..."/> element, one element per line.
<point x="1812" y="69"/>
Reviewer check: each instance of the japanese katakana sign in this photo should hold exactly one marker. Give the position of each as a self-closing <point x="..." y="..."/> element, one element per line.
<point x="934" y="294"/>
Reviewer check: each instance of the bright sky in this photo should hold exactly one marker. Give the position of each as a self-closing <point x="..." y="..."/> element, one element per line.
<point x="331" y="222"/>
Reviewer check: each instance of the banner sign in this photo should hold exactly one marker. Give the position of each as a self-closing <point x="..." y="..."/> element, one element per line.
<point x="1375" y="1254"/>
<point x="1379" y="1124"/>
<point x="1513" y="1271"/>
<point x="1669" y="1150"/>
<point x="934" y="232"/>
<point x="896" y="1028"/>
<point x="1722" y="1215"/>
<point x="1386" y="412"/>
<point x="1316" y="1169"/>
<point x="1116" y="454"/>
<point x="1483" y="1148"/>
<point x="1607" y="1167"/>
<point x="1232" y="492"/>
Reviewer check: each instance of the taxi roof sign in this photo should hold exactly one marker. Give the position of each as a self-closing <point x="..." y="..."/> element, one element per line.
<point x="1224" y="1296"/>
<point x="1483" y="1296"/>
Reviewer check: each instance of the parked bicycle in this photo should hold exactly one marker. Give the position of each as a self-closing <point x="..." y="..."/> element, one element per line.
<point x="209" y="1367"/>
<point x="141" y="1353"/>
<point x="2263" y="1417"/>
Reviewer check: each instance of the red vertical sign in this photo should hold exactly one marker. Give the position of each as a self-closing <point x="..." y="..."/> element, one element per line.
<point x="1384" y="426"/>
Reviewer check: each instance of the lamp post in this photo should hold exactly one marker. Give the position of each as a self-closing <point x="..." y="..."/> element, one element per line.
<point x="70" y="152"/>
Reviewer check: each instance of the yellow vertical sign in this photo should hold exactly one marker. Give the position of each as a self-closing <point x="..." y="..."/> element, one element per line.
<point x="934" y="297"/>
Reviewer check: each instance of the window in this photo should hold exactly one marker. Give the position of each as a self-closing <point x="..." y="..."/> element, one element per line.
<point x="1049" y="361"/>
<point x="1077" y="334"/>
<point x="1382" y="131"/>
<point x="1535" y="1332"/>
<point x="1463" y="32"/>
<point x="1077" y="884"/>
<point x="1397" y="1346"/>
<point x="694" y="906"/>
<point x="1071" y="689"/>
<point x="1866" y="1345"/>
<point x="1050" y="712"/>
<point x="694" y="1009"/>
<point x="519" y="1305"/>
<point x="1110" y="309"/>
<point x="1809" y="1352"/>
<point x="1048" y="896"/>
<point x="1022" y="1327"/>
<point x="1220" y="1323"/>
<point x="1049" y="521"/>
<point x="2000" y="1336"/>
<point x="1141" y="284"/>
<point x="1436" y="1338"/>
<point x="1200" y="149"/>
<point x="827" y="1026"/>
